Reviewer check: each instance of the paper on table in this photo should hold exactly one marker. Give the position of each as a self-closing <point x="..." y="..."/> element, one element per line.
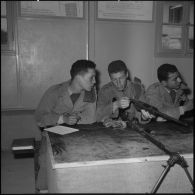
<point x="62" y="130"/>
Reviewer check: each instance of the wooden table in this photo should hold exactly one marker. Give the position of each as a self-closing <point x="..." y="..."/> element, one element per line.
<point x="105" y="160"/>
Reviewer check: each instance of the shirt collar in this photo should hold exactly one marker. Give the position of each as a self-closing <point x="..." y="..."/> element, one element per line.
<point x="169" y="90"/>
<point x="69" y="91"/>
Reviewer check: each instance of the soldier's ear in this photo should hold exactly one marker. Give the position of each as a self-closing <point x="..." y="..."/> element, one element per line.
<point x="79" y="78"/>
<point x="164" y="83"/>
<point x="127" y="74"/>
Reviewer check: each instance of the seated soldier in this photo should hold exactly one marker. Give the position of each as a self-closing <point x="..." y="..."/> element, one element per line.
<point x="169" y="94"/>
<point x="113" y="97"/>
<point x="71" y="102"/>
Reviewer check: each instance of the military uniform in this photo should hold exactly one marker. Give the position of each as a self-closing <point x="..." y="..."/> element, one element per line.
<point x="57" y="102"/>
<point x="109" y="92"/>
<point x="159" y="96"/>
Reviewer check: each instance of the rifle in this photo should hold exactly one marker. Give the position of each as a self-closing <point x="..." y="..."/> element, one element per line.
<point x="153" y="110"/>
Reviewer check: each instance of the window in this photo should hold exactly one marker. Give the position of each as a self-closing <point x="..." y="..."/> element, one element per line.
<point x="175" y="28"/>
<point x="190" y="28"/>
<point x="7" y="26"/>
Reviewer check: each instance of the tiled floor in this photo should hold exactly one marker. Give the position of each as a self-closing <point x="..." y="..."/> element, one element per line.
<point x="17" y="175"/>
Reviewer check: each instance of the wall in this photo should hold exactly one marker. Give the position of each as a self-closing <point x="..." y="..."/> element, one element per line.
<point x="48" y="47"/>
<point x="128" y="42"/>
<point x="17" y="124"/>
<point x="9" y="85"/>
<point x="47" y="50"/>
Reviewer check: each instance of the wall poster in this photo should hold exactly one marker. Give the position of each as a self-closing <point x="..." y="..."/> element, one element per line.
<point x="125" y="10"/>
<point x="72" y="9"/>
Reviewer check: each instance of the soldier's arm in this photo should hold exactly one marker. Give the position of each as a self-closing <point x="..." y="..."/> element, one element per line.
<point x="44" y="114"/>
<point x="105" y="106"/>
<point x="154" y="98"/>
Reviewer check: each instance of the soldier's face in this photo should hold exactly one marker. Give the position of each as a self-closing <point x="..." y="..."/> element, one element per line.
<point x="174" y="81"/>
<point x="87" y="80"/>
<point x="119" y="79"/>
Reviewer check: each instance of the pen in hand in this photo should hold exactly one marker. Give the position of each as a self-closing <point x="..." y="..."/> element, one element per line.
<point x="73" y="118"/>
<point x="77" y="116"/>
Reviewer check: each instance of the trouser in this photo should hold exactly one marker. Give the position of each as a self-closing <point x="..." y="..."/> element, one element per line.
<point x="41" y="178"/>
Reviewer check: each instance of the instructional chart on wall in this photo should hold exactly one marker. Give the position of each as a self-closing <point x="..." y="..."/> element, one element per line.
<point x="52" y="8"/>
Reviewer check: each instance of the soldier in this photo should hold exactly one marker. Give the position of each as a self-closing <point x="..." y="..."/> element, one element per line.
<point x="169" y="95"/>
<point x="113" y="98"/>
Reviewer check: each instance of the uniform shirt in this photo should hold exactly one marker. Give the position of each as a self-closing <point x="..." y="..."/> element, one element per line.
<point x="57" y="102"/>
<point x="109" y="92"/>
<point x="159" y="96"/>
<point x="74" y="97"/>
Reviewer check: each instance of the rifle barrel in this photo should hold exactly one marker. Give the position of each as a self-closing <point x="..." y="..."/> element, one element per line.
<point x="135" y="125"/>
<point x="153" y="110"/>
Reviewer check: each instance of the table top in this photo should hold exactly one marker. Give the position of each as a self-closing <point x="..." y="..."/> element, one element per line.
<point x="95" y="142"/>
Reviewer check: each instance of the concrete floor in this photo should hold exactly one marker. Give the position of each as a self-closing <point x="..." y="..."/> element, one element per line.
<point x="17" y="175"/>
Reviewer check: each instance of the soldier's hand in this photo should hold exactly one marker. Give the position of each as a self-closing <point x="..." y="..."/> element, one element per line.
<point x="160" y="119"/>
<point x="146" y="115"/>
<point x="107" y="122"/>
<point x="73" y="119"/>
<point x="123" y="102"/>
<point x="188" y="106"/>
<point x="183" y="98"/>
